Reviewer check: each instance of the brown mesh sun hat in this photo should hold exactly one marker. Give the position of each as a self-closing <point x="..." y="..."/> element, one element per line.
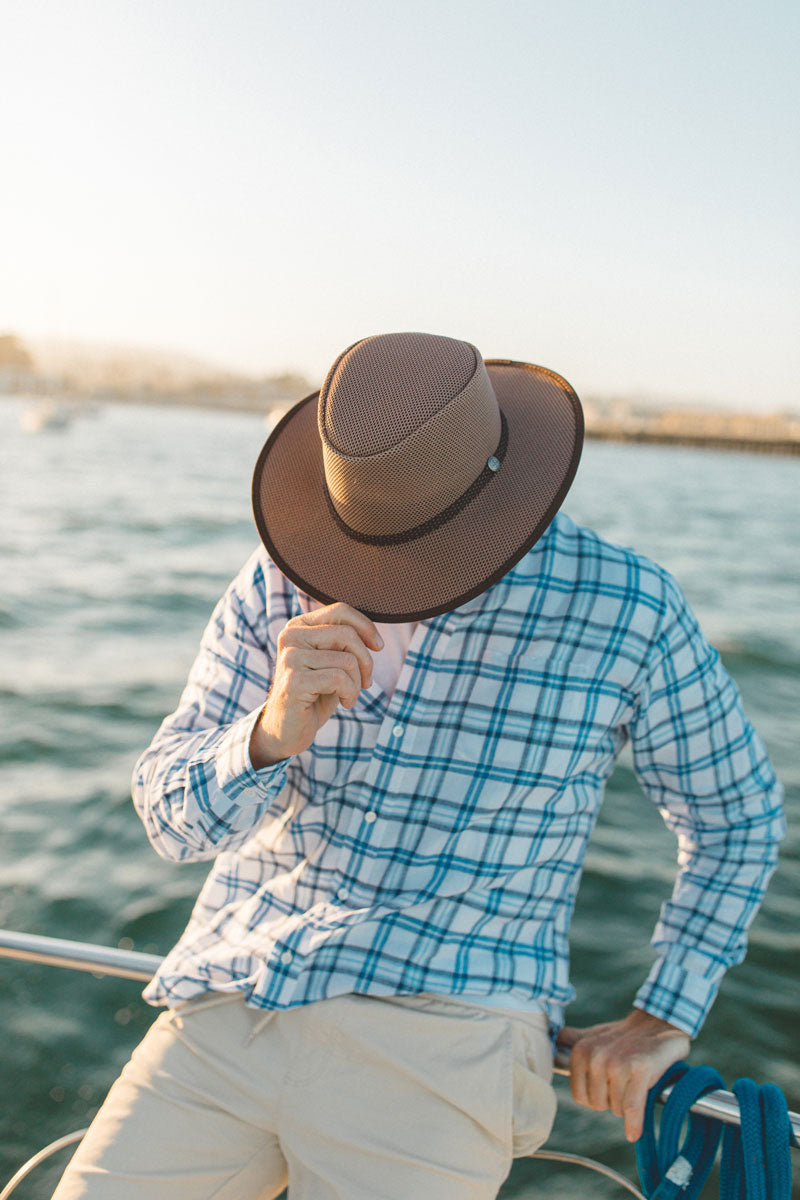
<point x="417" y="477"/>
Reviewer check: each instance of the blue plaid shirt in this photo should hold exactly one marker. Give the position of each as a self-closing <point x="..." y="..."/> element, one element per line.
<point x="433" y="842"/>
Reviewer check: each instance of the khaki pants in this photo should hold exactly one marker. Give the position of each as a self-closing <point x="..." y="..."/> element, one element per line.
<point x="354" y="1098"/>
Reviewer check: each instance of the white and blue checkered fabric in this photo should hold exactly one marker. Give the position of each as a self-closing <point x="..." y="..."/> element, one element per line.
<point x="433" y="842"/>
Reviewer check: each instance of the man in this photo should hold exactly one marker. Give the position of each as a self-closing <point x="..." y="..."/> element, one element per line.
<point x="394" y="743"/>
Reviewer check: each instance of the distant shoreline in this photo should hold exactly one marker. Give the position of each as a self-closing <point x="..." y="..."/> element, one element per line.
<point x="783" y="438"/>
<point x="72" y="375"/>
<point x="785" y="446"/>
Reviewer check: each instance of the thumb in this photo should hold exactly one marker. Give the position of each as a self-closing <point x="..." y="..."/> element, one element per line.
<point x="569" y="1035"/>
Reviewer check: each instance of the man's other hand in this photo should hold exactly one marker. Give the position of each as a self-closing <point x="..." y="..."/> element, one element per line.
<point x="615" y="1065"/>
<point x="323" y="661"/>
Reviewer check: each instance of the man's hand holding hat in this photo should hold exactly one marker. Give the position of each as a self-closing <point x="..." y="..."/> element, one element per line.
<point x="323" y="661"/>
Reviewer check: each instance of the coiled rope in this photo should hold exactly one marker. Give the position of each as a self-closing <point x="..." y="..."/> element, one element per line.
<point x="756" y="1161"/>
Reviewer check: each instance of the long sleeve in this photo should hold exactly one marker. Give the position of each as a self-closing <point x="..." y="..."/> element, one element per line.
<point x="195" y="787"/>
<point x="704" y="766"/>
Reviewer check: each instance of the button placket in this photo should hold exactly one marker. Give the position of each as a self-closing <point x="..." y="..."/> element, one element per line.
<point x="429" y="640"/>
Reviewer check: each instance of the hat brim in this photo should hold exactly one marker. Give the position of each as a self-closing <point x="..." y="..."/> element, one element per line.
<point x="442" y="569"/>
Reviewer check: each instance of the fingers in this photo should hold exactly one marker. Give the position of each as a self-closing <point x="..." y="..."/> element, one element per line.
<point x="628" y="1087"/>
<point x="633" y="1105"/>
<point x="580" y="1060"/>
<point x="614" y="1065"/>
<point x="343" y="614"/>
<point x="314" y="672"/>
<point x="323" y="660"/>
<point x="588" y="1080"/>
<point x="319" y="642"/>
<point x="600" y="1081"/>
<point x="314" y="683"/>
<point x="333" y="660"/>
<point x="587" y="1065"/>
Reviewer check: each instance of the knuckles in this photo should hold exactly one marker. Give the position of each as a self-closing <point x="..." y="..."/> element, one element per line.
<point x="340" y="609"/>
<point x="298" y="632"/>
<point x="291" y="657"/>
<point x="287" y="637"/>
<point x="352" y="662"/>
<point x="579" y="1057"/>
<point x="639" y="1065"/>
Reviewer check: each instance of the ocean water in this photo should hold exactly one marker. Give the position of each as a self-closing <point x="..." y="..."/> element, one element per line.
<point x="118" y="535"/>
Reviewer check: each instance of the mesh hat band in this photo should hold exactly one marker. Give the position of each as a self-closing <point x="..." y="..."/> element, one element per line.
<point x="394" y="539"/>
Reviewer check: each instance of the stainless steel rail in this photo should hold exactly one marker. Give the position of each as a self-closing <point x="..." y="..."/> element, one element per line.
<point x="58" y="952"/>
<point x="723" y="1106"/>
<point x="131" y="964"/>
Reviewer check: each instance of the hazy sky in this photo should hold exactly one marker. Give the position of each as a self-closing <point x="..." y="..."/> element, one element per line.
<point x="606" y="187"/>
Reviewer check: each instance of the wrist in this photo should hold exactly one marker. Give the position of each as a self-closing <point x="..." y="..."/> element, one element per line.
<point x="641" y="1018"/>
<point x="264" y="749"/>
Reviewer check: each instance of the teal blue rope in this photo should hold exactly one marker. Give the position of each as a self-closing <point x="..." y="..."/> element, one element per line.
<point x="756" y="1161"/>
<point x="666" y="1169"/>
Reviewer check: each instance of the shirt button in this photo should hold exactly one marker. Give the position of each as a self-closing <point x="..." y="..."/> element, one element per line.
<point x="398" y="731"/>
<point x="370" y="816"/>
<point x="342" y="893"/>
<point x="286" y="957"/>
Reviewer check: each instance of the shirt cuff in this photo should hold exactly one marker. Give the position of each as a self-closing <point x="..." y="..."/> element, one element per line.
<point x="676" y="995"/>
<point x="236" y="775"/>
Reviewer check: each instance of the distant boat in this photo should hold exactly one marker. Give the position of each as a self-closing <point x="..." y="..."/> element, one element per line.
<point x="45" y="414"/>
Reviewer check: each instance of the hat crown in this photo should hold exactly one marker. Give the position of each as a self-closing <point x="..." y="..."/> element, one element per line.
<point x="407" y="423"/>
<point x="383" y="388"/>
<point x="407" y="486"/>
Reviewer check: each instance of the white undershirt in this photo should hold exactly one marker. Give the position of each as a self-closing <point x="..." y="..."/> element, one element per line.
<point x="388" y="662"/>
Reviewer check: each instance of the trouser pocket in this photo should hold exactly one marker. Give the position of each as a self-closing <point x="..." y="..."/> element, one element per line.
<point x="534" y="1102"/>
<point x="447" y="1066"/>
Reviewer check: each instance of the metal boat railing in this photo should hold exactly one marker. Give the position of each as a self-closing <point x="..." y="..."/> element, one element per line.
<point x="131" y="964"/>
<point x="81" y="956"/>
